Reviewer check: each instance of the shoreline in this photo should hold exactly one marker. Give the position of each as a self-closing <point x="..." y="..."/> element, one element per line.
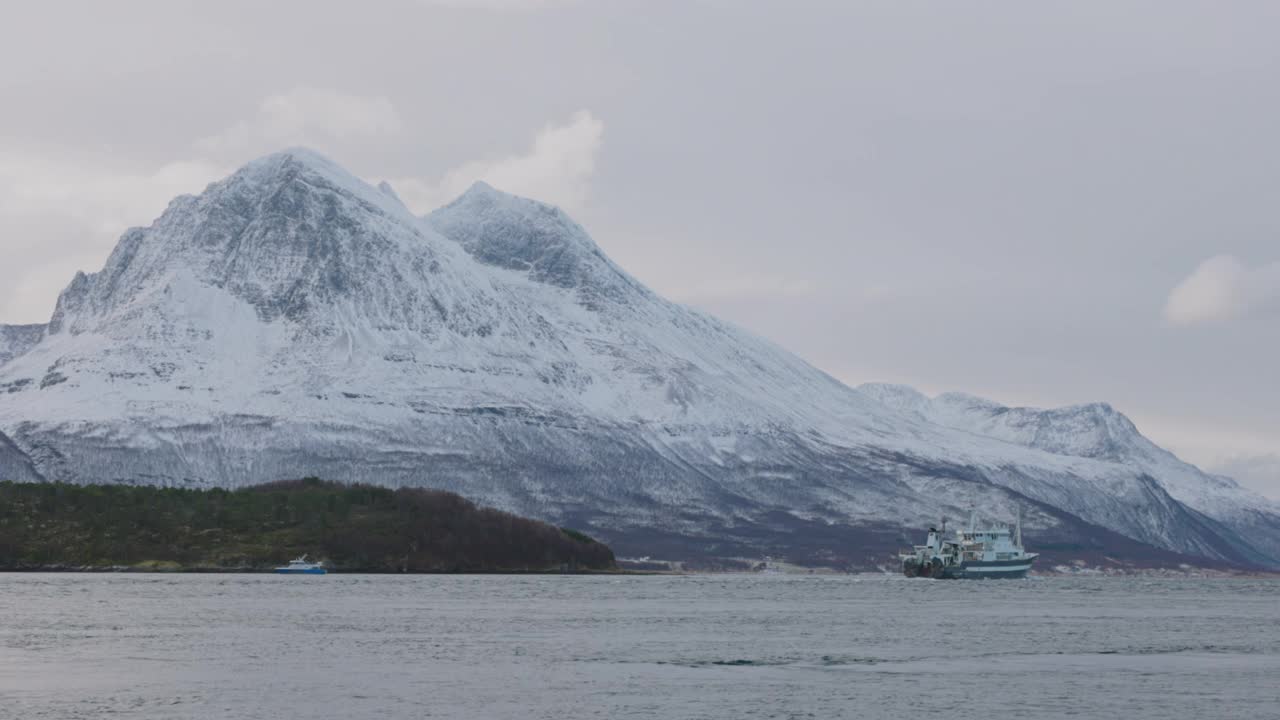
<point x="127" y="570"/>
<point x="819" y="572"/>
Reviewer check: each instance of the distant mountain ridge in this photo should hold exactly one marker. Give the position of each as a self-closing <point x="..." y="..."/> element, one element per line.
<point x="294" y="320"/>
<point x="1094" y="430"/>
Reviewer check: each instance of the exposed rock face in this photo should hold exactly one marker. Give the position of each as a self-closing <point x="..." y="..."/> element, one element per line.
<point x="293" y="320"/>
<point x="14" y="464"/>
<point x="16" y="340"/>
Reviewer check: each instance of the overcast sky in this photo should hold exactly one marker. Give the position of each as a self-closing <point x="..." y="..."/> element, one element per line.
<point x="1042" y="204"/>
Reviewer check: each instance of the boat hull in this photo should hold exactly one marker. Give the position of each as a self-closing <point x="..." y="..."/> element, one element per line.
<point x="969" y="570"/>
<point x="997" y="569"/>
<point x="307" y="571"/>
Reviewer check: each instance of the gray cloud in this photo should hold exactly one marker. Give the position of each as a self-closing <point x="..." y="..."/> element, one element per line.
<point x="305" y="116"/>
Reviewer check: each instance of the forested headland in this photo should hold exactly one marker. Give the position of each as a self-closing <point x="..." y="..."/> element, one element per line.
<point x="354" y="528"/>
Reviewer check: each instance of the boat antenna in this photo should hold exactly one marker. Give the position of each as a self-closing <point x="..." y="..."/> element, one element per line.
<point x="1017" y="528"/>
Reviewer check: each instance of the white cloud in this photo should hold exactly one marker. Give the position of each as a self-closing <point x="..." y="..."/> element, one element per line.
<point x="306" y="116"/>
<point x="102" y="199"/>
<point x="557" y="169"/>
<point x="1221" y="288"/>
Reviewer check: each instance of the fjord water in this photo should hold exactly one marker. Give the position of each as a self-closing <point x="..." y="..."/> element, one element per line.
<point x="700" y="646"/>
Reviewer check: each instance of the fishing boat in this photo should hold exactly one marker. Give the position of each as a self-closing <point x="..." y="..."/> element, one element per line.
<point x="768" y="567"/>
<point x="994" y="551"/>
<point x="301" y="566"/>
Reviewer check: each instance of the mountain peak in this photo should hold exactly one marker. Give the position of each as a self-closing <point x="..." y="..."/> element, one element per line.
<point x="299" y="155"/>
<point x="1092" y="430"/>
<point x="481" y="188"/>
<point x="385" y="188"/>
<point x="516" y="233"/>
<point x="899" y="397"/>
<point x="482" y="196"/>
<point x="291" y="159"/>
<point x="967" y="401"/>
<point x="301" y="164"/>
<point x="289" y="233"/>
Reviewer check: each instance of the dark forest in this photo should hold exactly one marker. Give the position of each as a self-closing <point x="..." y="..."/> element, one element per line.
<point x="353" y="528"/>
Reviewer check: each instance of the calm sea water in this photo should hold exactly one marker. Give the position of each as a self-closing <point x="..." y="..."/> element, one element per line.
<point x="731" y="646"/>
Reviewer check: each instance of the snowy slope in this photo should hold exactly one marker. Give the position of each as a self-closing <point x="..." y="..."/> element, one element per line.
<point x="1097" y="431"/>
<point x="294" y="320"/>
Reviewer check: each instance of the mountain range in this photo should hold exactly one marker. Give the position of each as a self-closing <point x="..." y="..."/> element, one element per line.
<point x="294" y="320"/>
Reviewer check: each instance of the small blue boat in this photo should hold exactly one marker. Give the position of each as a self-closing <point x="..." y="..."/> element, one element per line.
<point x="301" y="566"/>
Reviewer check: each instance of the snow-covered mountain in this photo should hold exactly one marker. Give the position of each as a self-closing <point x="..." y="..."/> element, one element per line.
<point x="293" y="320"/>
<point x="1096" y="431"/>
